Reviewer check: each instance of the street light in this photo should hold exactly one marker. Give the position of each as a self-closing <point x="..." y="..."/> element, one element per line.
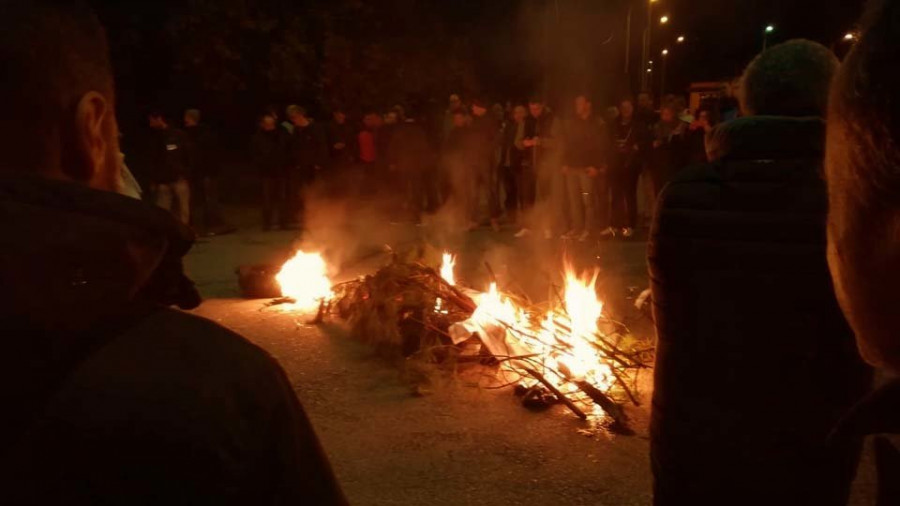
<point x="850" y="36"/>
<point x="769" y="29"/>
<point x="648" y="34"/>
<point x="662" y="77"/>
<point x="663" y="20"/>
<point x="680" y="39"/>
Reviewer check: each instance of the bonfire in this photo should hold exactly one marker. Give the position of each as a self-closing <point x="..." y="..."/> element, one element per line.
<point x="564" y="351"/>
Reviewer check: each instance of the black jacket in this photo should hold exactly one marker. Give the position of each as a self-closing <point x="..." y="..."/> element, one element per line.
<point x="109" y="397"/>
<point x="409" y="150"/>
<point x="201" y="151"/>
<point x="755" y="362"/>
<point x="269" y="151"/>
<point x="169" y="155"/>
<point x="307" y="149"/>
<point x="585" y="142"/>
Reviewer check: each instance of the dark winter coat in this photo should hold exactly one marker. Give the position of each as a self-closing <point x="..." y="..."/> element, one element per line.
<point x="307" y="150"/>
<point x="755" y="362"/>
<point x="168" y="156"/>
<point x="544" y="128"/>
<point x="585" y="143"/>
<point x="109" y="396"/>
<point x="409" y="150"/>
<point x="269" y="152"/>
<point x="341" y="133"/>
<point x="201" y="152"/>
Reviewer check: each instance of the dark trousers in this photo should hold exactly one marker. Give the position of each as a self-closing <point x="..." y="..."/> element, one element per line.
<point x="519" y="184"/>
<point x="274" y="194"/>
<point x="207" y="212"/>
<point x="623" y="199"/>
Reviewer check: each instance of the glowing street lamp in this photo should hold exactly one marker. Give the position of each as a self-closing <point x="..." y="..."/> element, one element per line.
<point x="665" y="52"/>
<point x="769" y="29"/>
<point x="680" y="39"/>
<point x="662" y="77"/>
<point x="663" y="20"/>
<point x="850" y="36"/>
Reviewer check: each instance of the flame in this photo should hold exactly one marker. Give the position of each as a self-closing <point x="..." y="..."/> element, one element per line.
<point x="304" y="278"/>
<point x="447" y="265"/>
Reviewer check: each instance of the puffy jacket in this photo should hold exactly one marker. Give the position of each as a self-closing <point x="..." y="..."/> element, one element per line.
<point x="755" y="362"/>
<point x="109" y="396"/>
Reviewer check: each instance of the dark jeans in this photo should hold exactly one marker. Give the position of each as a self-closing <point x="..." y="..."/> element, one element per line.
<point x="520" y="187"/>
<point x="207" y="212"/>
<point x="274" y="189"/>
<point x="623" y="201"/>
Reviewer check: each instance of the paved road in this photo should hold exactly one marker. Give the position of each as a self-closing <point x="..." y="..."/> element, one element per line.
<point x="460" y="445"/>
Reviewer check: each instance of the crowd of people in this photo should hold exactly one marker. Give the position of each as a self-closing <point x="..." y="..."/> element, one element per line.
<point x="573" y="174"/>
<point x="773" y="280"/>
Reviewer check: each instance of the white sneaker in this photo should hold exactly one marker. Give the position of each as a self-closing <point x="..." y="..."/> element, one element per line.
<point x="627" y="232"/>
<point x="608" y="232"/>
<point x="584" y="236"/>
<point x="522" y="233"/>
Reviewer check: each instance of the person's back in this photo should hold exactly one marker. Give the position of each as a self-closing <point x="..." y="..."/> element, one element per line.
<point x="755" y="364"/>
<point x="109" y="396"/>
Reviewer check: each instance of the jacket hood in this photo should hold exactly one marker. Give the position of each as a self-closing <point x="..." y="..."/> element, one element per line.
<point x="767" y="137"/>
<point x="71" y="255"/>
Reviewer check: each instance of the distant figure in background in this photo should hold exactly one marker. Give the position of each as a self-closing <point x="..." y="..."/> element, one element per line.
<point x="289" y="112"/>
<point x="543" y="153"/>
<point x="170" y="167"/>
<point x="341" y="141"/>
<point x="729" y="108"/>
<point x="667" y="155"/>
<point x="739" y="279"/>
<point x="202" y="158"/>
<point x="307" y="152"/>
<point x="365" y="141"/>
<point x="412" y="163"/>
<point x="454" y="104"/>
<point x="269" y="157"/>
<point x="517" y="177"/>
<point x="625" y="171"/>
<point x="480" y="145"/>
<point x="110" y="394"/>
<point x="645" y="112"/>
<point x="585" y="156"/>
<point x="455" y="165"/>
<point x="697" y="132"/>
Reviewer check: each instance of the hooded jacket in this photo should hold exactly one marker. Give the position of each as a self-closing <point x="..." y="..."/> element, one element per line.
<point x="755" y="362"/>
<point x="109" y="396"/>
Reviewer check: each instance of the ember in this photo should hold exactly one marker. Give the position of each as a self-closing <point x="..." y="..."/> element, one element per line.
<point x="304" y="279"/>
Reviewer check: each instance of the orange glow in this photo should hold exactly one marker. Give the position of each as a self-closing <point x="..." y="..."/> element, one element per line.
<point x="304" y="278"/>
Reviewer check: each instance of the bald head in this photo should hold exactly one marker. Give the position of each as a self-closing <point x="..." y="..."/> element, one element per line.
<point x="58" y="119"/>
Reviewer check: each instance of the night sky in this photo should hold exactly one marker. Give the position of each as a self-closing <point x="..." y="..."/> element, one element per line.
<point x="552" y="47"/>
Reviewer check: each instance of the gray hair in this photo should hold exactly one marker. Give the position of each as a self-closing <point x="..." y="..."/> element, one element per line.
<point x="790" y="79"/>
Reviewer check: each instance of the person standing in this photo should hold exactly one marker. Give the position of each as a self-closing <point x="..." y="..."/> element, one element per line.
<point x="169" y="166"/>
<point x="518" y="177"/>
<point x="204" y="170"/>
<point x="307" y="153"/>
<point x="697" y="132"/>
<point x="585" y="166"/>
<point x="480" y="145"/>
<point x="755" y="364"/>
<point x="110" y="394"/>
<point x="410" y="160"/>
<point x="341" y="141"/>
<point x="667" y="154"/>
<point x="543" y="153"/>
<point x="269" y="150"/>
<point x="625" y="171"/>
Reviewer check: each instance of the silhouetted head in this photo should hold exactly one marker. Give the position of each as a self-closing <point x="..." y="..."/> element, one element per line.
<point x="863" y="174"/>
<point x="626" y="109"/>
<point x="790" y="79"/>
<point x="59" y="118"/>
<point x="582" y="106"/>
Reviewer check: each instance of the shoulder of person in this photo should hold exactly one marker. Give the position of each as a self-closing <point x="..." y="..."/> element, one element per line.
<point x="183" y="355"/>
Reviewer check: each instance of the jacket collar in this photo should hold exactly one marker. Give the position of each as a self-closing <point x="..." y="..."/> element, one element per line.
<point x="71" y="255"/>
<point x="767" y="137"/>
